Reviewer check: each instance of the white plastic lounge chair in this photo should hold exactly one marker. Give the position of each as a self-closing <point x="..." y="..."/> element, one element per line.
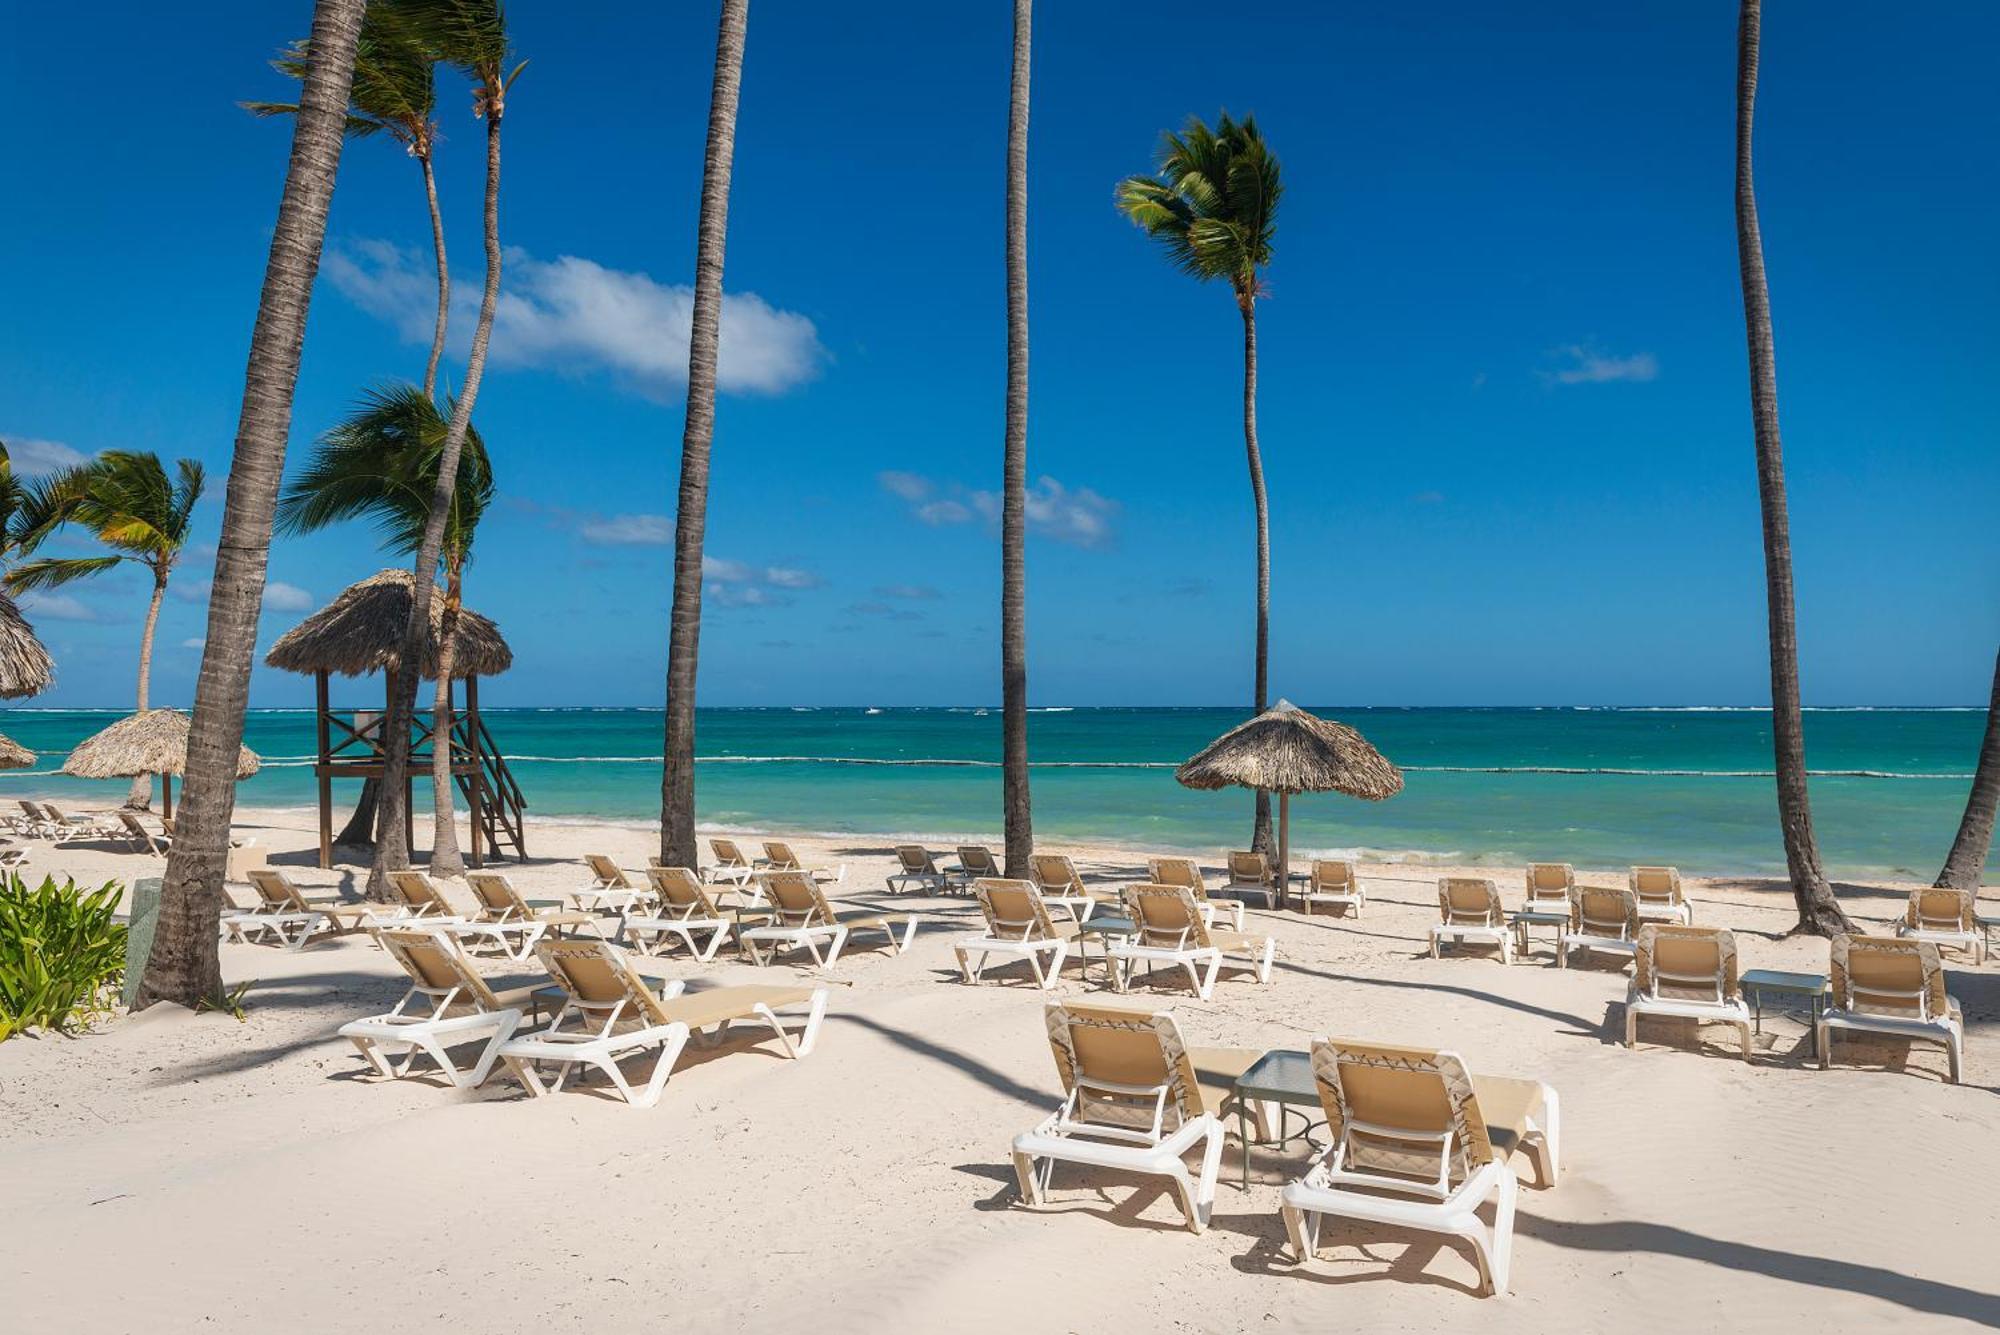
<point x="512" y="923"/>
<point x="31" y="822"/>
<point x="802" y="916"/>
<point x="1890" y="985"/>
<point x="1600" y="919"/>
<point x="1171" y="931"/>
<point x="1017" y="923"/>
<point x="778" y="856"/>
<point x="919" y="869"/>
<point x="1337" y="884"/>
<point x="424" y="900"/>
<point x="143" y="840"/>
<point x="610" y="889"/>
<point x="90" y="825"/>
<point x="1687" y="972"/>
<point x="284" y="912"/>
<point x="1420" y="1143"/>
<point x="731" y="866"/>
<point x="1061" y="885"/>
<point x="1186" y="872"/>
<point x="1549" y="886"/>
<point x="620" y="1015"/>
<point x="686" y="913"/>
<point x="1469" y="909"/>
<point x="1251" y="873"/>
<point x="462" y="1009"/>
<point x="1947" y="918"/>
<point x="1134" y="1101"/>
<point x="1657" y="892"/>
<point x="975" y="862"/>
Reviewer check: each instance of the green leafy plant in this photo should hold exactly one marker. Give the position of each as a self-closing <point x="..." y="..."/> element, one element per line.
<point x="229" y="1002"/>
<point x="61" y="955"/>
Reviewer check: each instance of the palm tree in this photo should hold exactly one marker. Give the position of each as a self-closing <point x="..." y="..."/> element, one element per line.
<point x="1966" y="865"/>
<point x="131" y="506"/>
<point x="183" y="966"/>
<point x="1820" y="913"/>
<point x="12" y="496"/>
<point x="1213" y="205"/>
<point x="1014" y="485"/>
<point x="381" y="464"/>
<point x="472" y="35"/>
<point x="394" y="93"/>
<point x="684" y="634"/>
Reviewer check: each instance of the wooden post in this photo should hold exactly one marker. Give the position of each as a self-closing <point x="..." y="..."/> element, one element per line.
<point x="325" y="742"/>
<point x="167" y="796"/>
<point x="477" y="801"/>
<point x="1284" y="849"/>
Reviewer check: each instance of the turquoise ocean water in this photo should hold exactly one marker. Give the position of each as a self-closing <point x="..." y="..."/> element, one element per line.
<point x="1594" y="786"/>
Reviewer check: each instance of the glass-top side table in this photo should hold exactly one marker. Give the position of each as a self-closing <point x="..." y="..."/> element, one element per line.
<point x="1789" y="990"/>
<point x="1282" y="1076"/>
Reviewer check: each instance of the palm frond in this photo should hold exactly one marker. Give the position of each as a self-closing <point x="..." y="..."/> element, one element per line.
<point x="1212" y="202"/>
<point x="55" y="571"/>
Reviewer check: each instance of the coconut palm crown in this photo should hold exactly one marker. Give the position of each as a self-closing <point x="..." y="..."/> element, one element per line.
<point x="1213" y="204"/>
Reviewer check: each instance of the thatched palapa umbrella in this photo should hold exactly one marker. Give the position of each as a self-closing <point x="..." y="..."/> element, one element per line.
<point x="13" y="755"/>
<point x="361" y="631"/>
<point x="1285" y="750"/>
<point x="153" y="742"/>
<point x="25" y="667"/>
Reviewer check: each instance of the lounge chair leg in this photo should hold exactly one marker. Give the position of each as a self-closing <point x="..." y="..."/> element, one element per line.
<point x="1823" y="1035"/>
<point x="1548" y="1169"/>
<point x="509" y="1021"/>
<point x="1302" y="1227"/>
<point x="1743" y="1034"/>
<point x="1631" y="1027"/>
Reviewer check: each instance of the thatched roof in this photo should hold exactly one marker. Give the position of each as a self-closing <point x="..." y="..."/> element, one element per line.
<point x="361" y="631"/>
<point x="154" y="742"/>
<point x="1286" y="750"/>
<point x="25" y="667"/>
<point x="13" y="755"/>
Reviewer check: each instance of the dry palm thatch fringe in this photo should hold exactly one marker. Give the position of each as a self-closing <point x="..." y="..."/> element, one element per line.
<point x="153" y="742"/>
<point x="1286" y="750"/>
<point x="361" y="631"/>
<point x="25" y="667"/>
<point x="13" y="755"/>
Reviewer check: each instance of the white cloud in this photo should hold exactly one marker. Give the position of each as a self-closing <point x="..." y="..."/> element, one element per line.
<point x="747" y="595"/>
<point x="791" y="577"/>
<point x="193" y="642"/>
<point x="1079" y="517"/>
<point x="1586" y="365"/>
<point x="909" y="486"/>
<point x="573" y="314"/>
<point x="943" y="512"/>
<point x="629" y="530"/>
<point x="282" y="597"/>
<point x="57" y="607"/>
<point x="921" y="592"/>
<point x="31" y="458"/>
<point x="722" y="570"/>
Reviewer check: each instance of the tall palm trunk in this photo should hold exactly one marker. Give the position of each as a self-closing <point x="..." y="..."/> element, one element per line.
<point x="391" y="846"/>
<point x="677" y="846"/>
<point x="141" y="795"/>
<point x="183" y="966"/>
<point x="1820" y="913"/>
<point x="445" y="857"/>
<point x="1966" y="865"/>
<point x="1246" y="300"/>
<point x="1014" y="485"/>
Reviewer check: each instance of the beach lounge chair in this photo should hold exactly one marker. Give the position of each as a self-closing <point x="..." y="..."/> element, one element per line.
<point x="1171" y="931"/>
<point x="802" y="916"/>
<point x="1469" y="909"/>
<point x="919" y="869"/>
<point x="1549" y="886"/>
<point x="1946" y="918"/>
<point x="143" y="840"/>
<point x="1335" y="883"/>
<point x="512" y="923"/>
<point x="90" y="825"/>
<point x="1890" y="985"/>
<point x="686" y="913"/>
<point x="620" y="1015"/>
<point x="778" y="856"/>
<point x="1600" y="919"/>
<point x="30" y="822"/>
<point x="1017" y="923"/>
<point x="1251" y="873"/>
<point x="1134" y="1101"/>
<point x="284" y="912"/>
<point x="1420" y="1143"/>
<point x="1657" y="892"/>
<point x="975" y="862"/>
<point x="1687" y="972"/>
<point x="731" y="866"/>
<point x="462" y="1008"/>
<point x="1062" y="885"/>
<point x="419" y="893"/>
<point x="610" y="889"/>
<point x="1186" y="872"/>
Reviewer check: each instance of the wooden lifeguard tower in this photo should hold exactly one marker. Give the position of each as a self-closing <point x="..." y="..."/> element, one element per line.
<point x="359" y="634"/>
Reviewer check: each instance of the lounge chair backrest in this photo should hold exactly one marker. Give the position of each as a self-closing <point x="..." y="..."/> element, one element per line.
<point x="727" y="853"/>
<point x="1014" y="910"/>
<point x="275" y="888"/>
<point x="1941" y="909"/>
<point x="438" y="966"/>
<point x="1887" y="975"/>
<point x="1248" y="867"/>
<point x="498" y="899"/>
<point x="1334" y="876"/>
<point x="1055" y="875"/>
<point x="28" y="808"/>
<point x="1178" y="871"/>
<point x="977" y="860"/>
<point x="1596" y="910"/>
<point x="1118" y="1058"/>
<point x="796" y="899"/>
<point x="1470" y="900"/>
<point x="780" y="855"/>
<point x="131" y="822"/>
<point x="417" y="890"/>
<point x="600" y="980"/>
<point x="1550" y="882"/>
<point x="606" y="873"/>
<point x="1678" y="962"/>
<point x="916" y="859"/>
<point x="1166" y="916"/>
<point x="1396" y="1106"/>
<point x="681" y="891"/>
<point x="1657" y="885"/>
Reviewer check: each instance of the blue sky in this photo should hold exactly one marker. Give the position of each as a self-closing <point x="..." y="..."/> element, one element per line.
<point x="1503" y="409"/>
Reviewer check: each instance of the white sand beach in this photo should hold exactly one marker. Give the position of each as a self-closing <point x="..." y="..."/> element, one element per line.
<point x="174" y="1172"/>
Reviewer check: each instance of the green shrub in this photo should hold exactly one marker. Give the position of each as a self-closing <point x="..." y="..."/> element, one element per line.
<point x="61" y="955"/>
